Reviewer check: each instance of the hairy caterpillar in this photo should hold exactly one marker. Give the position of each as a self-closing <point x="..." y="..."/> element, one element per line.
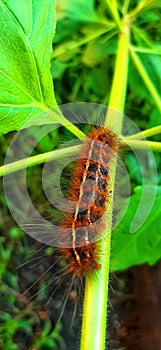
<point x="90" y="191"/>
<point x="88" y="196"/>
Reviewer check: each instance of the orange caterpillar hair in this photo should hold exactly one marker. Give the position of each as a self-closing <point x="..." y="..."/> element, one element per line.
<point x="90" y="191"/>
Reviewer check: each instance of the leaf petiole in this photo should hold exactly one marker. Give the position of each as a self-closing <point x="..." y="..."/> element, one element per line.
<point x="146" y="133"/>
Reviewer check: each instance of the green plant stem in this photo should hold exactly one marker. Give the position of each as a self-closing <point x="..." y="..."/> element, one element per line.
<point x="142" y="6"/>
<point x="125" y="7"/>
<point x="96" y="290"/>
<point x="57" y="154"/>
<point x="140" y="33"/>
<point x="38" y="159"/>
<point x="154" y="51"/>
<point x="119" y="84"/>
<point x="144" y="75"/>
<point x="143" y="145"/>
<point x="55" y="116"/>
<point x="72" y="45"/>
<point x="146" y="133"/>
<point x="112" y="5"/>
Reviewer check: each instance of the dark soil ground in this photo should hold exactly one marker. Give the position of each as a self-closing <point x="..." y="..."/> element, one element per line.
<point x="135" y="322"/>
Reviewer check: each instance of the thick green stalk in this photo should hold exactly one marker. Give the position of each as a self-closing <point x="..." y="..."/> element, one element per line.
<point x="118" y="90"/>
<point x="96" y="291"/>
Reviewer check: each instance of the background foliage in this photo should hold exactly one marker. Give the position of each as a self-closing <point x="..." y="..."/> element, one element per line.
<point x="82" y="64"/>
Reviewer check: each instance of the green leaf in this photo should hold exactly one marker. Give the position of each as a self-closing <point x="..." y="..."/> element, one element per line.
<point x="58" y="68"/>
<point x="143" y="246"/>
<point x="78" y="10"/>
<point x="71" y="17"/>
<point x="65" y="29"/>
<point x="27" y="30"/>
<point x="97" y="51"/>
<point x="152" y="65"/>
<point x="155" y="118"/>
<point x="95" y="83"/>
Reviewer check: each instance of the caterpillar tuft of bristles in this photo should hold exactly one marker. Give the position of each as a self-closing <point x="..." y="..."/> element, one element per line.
<point x="90" y="192"/>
